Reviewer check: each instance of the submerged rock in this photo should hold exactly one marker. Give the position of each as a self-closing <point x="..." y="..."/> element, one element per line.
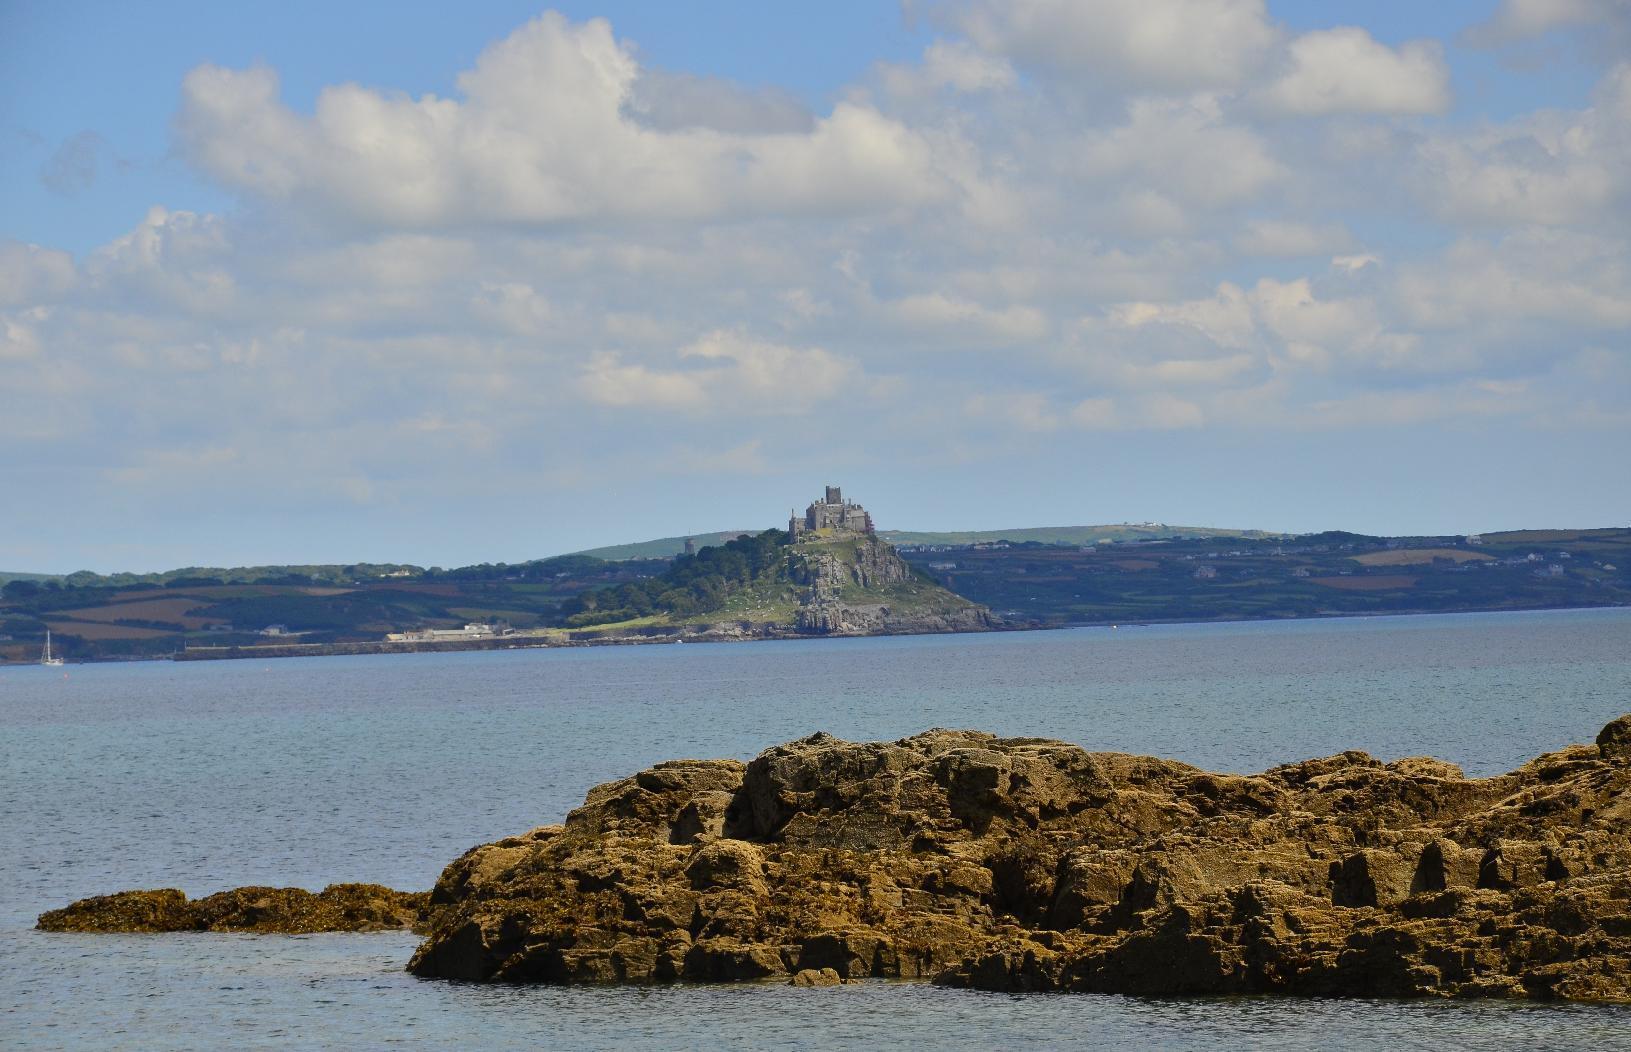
<point x="288" y="911"/>
<point x="1028" y="864"/>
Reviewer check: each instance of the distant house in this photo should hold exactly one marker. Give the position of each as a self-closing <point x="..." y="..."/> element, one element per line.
<point x="446" y="635"/>
<point x="1301" y="571"/>
<point x="942" y="566"/>
<point x="1554" y="570"/>
<point x="1475" y="538"/>
<point x="276" y="630"/>
<point x="1205" y="573"/>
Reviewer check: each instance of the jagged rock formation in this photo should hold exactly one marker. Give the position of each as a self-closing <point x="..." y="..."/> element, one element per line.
<point x="861" y="586"/>
<point x="1027" y="864"/>
<point x="288" y="911"/>
<point x="1017" y="864"/>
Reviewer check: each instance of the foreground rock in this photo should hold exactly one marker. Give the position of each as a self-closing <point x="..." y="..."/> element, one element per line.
<point x="1021" y="864"/>
<point x="287" y="911"/>
<point x="1026" y="864"/>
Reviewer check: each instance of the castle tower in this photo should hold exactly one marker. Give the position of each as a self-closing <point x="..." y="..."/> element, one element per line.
<point x="834" y="495"/>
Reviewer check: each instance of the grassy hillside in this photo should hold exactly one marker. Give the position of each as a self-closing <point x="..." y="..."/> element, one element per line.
<point x="1339" y="573"/>
<point x="12" y="575"/>
<point x="1064" y="534"/>
<point x="662" y="547"/>
<point x="106" y="620"/>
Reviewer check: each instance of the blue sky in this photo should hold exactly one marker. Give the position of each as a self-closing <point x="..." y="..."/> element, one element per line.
<point x="363" y="281"/>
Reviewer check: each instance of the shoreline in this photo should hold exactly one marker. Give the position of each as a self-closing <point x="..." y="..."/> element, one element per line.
<point x="739" y="632"/>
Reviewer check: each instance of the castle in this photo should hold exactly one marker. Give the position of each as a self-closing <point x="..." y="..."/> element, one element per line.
<point x="832" y="512"/>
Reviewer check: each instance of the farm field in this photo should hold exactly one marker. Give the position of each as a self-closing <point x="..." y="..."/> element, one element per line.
<point x="1233" y="578"/>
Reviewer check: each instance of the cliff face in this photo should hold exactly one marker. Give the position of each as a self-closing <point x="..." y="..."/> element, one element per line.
<point x="1024" y="864"/>
<point x="859" y="585"/>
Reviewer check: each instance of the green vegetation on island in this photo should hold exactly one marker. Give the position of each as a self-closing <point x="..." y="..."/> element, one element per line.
<point x="692" y="584"/>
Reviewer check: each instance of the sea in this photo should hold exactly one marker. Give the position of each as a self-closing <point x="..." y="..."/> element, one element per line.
<point x="306" y="771"/>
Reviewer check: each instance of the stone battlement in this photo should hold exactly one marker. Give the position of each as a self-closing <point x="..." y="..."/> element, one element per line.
<point x="831" y="512"/>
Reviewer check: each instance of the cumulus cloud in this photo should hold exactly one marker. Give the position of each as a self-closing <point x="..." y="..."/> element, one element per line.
<point x="1517" y="20"/>
<point x="1345" y="70"/>
<point x="1058" y="222"/>
<point x="723" y="371"/>
<point x="954" y="64"/>
<point x="1165" y="44"/>
<point x="32" y="274"/>
<point x="1552" y="168"/>
<point x="1171" y="154"/>
<point x="1279" y="237"/>
<point x="544" y="134"/>
<point x="668" y="101"/>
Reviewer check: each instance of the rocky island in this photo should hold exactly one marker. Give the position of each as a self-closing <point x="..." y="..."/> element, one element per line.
<point x="828" y="574"/>
<point x="1024" y="864"/>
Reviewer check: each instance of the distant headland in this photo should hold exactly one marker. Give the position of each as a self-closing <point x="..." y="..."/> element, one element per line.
<point x="831" y="572"/>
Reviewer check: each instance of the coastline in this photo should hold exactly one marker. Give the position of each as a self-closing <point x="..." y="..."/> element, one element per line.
<point x="734" y="632"/>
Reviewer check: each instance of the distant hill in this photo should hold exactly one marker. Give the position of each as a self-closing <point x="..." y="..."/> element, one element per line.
<point x="12" y="575"/>
<point x="666" y="547"/>
<point x="662" y="547"/>
<point x="1121" y="531"/>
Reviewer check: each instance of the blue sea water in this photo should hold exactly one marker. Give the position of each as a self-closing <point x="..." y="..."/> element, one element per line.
<point x="306" y="771"/>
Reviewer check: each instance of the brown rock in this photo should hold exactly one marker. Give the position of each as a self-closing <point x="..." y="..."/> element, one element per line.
<point x="1026" y="864"/>
<point x="1614" y="740"/>
<point x="815" y="977"/>
<point x="289" y="911"/>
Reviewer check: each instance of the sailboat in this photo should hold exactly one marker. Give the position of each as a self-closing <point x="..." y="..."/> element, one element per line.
<point x="46" y="658"/>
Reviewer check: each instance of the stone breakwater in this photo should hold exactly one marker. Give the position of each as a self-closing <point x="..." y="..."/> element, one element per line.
<point x="1028" y="864"/>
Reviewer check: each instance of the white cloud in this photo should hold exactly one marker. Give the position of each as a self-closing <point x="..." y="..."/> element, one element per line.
<point x="31" y="274"/>
<point x="736" y="373"/>
<point x="543" y="135"/>
<point x="941" y="314"/>
<point x="1559" y="279"/>
<point x="1164" y="44"/>
<point x="1517" y="20"/>
<point x="1554" y="168"/>
<point x="1279" y="237"/>
<point x="1006" y="244"/>
<point x="1345" y="70"/>
<point x="1173" y="153"/>
<point x="666" y="101"/>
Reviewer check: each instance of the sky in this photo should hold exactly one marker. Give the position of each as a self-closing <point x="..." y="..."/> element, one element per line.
<point x="383" y="282"/>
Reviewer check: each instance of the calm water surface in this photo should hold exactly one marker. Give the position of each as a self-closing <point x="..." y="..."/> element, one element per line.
<point x="306" y="771"/>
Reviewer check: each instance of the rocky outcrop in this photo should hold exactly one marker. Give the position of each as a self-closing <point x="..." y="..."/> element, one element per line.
<point x="1023" y="864"/>
<point x="289" y="911"/>
<point x="1028" y="864"/>
<point x="861" y="586"/>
